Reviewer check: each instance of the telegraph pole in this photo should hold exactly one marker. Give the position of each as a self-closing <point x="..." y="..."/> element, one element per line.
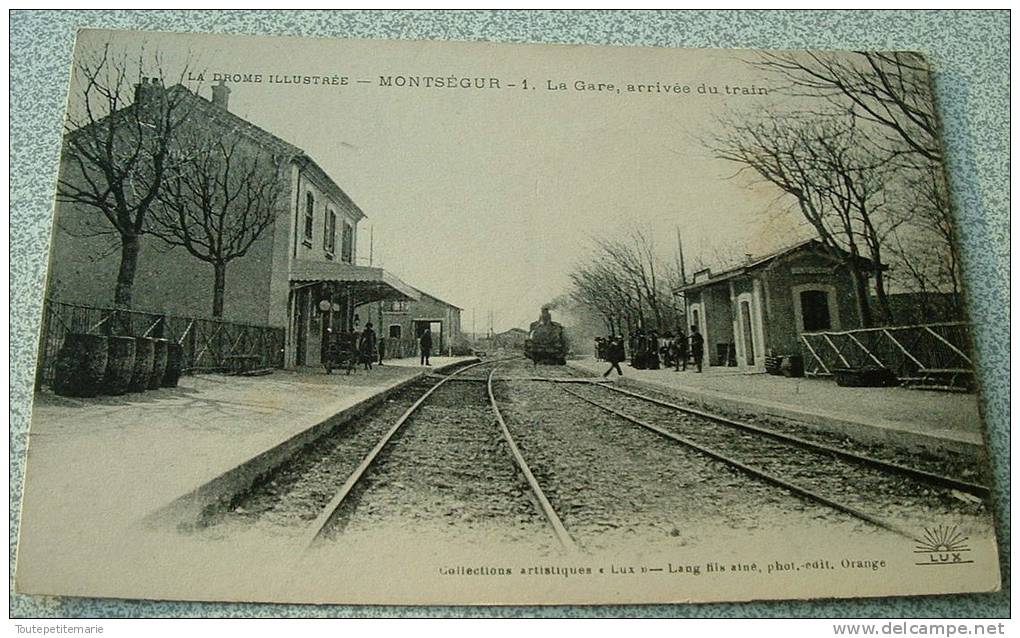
<point x="683" y="276"/>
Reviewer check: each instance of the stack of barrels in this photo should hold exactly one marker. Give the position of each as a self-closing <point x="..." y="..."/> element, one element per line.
<point x="89" y="365"/>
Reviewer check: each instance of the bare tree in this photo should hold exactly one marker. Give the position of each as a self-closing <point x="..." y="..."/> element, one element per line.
<point x="218" y="199"/>
<point x="925" y="248"/>
<point x="889" y="89"/>
<point x="116" y="150"/>
<point x="855" y="182"/>
<point x="891" y="92"/>
<point x="817" y="163"/>
<point x="628" y="284"/>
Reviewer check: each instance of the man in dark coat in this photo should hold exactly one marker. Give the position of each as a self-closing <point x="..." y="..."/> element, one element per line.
<point x="367" y="346"/>
<point x="615" y="354"/>
<point x="652" y="347"/>
<point x="382" y="349"/>
<point x="697" y="346"/>
<point x="425" y="342"/>
<point x="637" y="349"/>
<point x="679" y="347"/>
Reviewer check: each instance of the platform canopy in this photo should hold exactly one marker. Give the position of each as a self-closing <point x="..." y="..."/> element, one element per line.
<point x="366" y="284"/>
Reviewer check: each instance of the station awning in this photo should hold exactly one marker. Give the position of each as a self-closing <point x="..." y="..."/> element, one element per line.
<point x="366" y="283"/>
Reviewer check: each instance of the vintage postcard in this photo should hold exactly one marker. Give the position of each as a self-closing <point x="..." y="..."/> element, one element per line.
<point x="393" y="322"/>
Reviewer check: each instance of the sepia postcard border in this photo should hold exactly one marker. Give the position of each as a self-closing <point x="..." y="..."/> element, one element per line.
<point x="971" y="61"/>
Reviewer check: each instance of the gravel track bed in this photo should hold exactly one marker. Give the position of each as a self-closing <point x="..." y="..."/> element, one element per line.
<point x="888" y="496"/>
<point x="294" y="495"/>
<point x="449" y="470"/>
<point x="947" y="463"/>
<point x="614" y="484"/>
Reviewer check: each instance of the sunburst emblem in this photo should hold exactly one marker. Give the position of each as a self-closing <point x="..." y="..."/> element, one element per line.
<point x="942" y="539"/>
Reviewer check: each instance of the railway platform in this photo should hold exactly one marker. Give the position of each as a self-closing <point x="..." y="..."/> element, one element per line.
<point x="905" y="418"/>
<point x="108" y="463"/>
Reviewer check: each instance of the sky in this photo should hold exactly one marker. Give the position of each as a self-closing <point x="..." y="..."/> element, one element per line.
<point x="486" y="198"/>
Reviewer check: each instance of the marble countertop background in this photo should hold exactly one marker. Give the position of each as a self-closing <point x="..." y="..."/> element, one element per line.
<point x="968" y="50"/>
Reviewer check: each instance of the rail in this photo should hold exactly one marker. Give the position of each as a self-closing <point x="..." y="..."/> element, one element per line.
<point x="941" y="480"/>
<point x="547" y="509"/>
<point x="318" y="528"/>
<point x="753" y="471"/>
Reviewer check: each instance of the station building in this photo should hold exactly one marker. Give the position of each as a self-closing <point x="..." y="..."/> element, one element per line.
<point x="762" y="306"/>
<point x="301" y="274"/>
<point x="402" y="322"/>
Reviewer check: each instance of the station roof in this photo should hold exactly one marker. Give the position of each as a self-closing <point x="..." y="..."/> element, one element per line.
<point x="757" y="262"/>
<point x="369" y="284"/>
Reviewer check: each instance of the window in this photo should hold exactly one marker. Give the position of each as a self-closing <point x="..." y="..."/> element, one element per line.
<point x="814" y="308"/>
<point x="347" y="245"/>
<point x="395" y="331"/>
<point x="329" y="236"/>
<point x="397" y="306"/>
<point x="309" y="215"/>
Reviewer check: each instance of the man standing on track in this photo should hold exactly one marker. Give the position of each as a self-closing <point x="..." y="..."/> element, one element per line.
<point x="425" y="342"/>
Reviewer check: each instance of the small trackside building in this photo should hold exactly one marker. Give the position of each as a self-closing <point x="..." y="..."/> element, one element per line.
<point x="402" y="321"/>
<point x="764" y="305"/>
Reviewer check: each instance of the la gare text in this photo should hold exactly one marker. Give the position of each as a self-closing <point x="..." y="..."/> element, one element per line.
<point x="484" y="83"/>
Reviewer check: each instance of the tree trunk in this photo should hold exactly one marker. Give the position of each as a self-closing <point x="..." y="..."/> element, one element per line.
<point x="861" y="290"/>
<point x="129" y="249"/>
<point x="219" y="284"/>
<point x="883" y="297"/>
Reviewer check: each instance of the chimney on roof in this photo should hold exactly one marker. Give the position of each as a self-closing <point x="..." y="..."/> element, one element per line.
<point x="221" y="95"/>
<point x="145" y="89"/>
<point x="748" y="258"/>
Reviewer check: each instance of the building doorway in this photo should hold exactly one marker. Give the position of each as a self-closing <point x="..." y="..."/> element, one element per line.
<point x="435" y="326"/>
<point x="814" y="306"/>
<point x="747" y="332"/>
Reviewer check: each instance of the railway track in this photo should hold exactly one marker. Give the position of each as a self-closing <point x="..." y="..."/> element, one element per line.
<point x="834" y="477"/>
<point x="327" y="519"/>
<point x="562" y="535"/>
<point x="942" y="480"/>
<point x="501" y="455"/>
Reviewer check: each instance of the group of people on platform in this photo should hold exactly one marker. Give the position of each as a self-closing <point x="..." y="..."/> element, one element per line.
<point x="352" y="348"/>
<point x="651" y="351"/>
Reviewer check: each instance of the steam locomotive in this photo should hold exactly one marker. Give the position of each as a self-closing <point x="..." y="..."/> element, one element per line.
<point x="546" y="342"/>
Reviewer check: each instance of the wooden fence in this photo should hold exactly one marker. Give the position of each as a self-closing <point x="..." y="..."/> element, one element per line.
<point x="207" y="343"/>
<point x="935" y="353"/>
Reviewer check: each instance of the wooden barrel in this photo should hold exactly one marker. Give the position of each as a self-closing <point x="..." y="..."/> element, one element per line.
<point x="144" y="355"/>
<point x="158" y="363"/>
<point x="81" y="365"/>
<point x="120" y="365"/>
<point x="174" y="364"/>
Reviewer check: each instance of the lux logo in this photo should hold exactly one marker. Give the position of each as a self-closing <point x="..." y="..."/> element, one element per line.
<point x="943" y="545"/>
<point x="946" y="558"/>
